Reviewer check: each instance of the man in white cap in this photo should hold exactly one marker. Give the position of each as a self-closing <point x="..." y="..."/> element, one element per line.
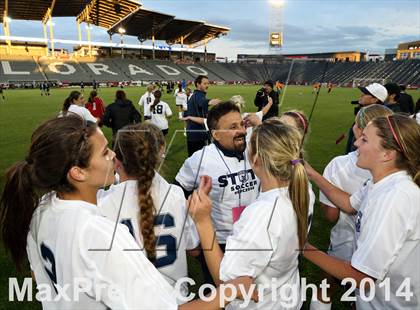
<point x="374" y="93"/>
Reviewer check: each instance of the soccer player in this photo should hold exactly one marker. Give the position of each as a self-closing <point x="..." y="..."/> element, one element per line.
<point x="160" y="112"/>
<point x="330" y="87"/>
<point x="343" y="172"/>
<point x="75" y="104"/>
<point x="2" y="93"/>
<point x="235" y="185"/>
<point x="296" y="119"/>
<point x="65" y="237"/>
<point x="387" y="243"/>
<point x="267" y="239"/>
<point x="96" y="107"/>
<point x="181" y="100"/>
<point x="154" y="210"/>
<point x="146" y="100"/>
<point x="82" y="86"/>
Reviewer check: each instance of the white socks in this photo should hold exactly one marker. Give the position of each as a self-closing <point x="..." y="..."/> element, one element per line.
<point x="180" y="115"/>
<point x="317" y="305"/>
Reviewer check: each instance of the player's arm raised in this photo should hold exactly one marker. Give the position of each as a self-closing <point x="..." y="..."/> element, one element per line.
<point x="199" y="207"/>
<point x="339" y="198"/>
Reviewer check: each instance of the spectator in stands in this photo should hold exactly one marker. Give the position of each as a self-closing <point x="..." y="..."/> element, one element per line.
<point x="198" y="107"/>
<point x="374" y="93"/>
<point x="406" y="101"/>
<point x="120" y="113"/>
<point x="82" y="87"/>
<point x="146" y="100"/>
<point x="96" y="107"/>
<point x="160" y="112"/>
<point x="261" y="100"/>
<point x="75" y="104"/>
<point x="393" y="96"/>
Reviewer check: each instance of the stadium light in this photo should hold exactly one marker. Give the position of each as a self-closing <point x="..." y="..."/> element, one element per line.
<point x="121" y="30"/>
<point x="277" y="3"/>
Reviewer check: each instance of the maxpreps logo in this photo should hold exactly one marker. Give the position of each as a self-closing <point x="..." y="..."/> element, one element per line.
<point x="239" y="182"/>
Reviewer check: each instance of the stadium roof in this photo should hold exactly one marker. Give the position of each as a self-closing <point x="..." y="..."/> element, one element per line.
<point x="106" y="13"/>
<point x="37" y="9"/>
<point x="205" y="32"/>
<point x="142" y="24"/>
<point x="116" y="14"/>
<point x="145" y="23"/>
<point x="178" y="28"/>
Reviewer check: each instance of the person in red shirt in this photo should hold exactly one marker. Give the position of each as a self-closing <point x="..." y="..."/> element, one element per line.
<point x="96" y="106"/>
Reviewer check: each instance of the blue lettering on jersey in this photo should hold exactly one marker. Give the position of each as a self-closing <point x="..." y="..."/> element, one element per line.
<point x="48" y="257"/>
<point x="359" y="221"/>
<point x="158" y="109"/>
<point x="169" y="241"/>
<point x="127" y="222"/>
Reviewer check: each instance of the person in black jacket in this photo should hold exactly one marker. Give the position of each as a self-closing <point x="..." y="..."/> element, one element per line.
<point x="120" y="113"/>
<point x="405" y="101"/>
<point x="261" y="100"/>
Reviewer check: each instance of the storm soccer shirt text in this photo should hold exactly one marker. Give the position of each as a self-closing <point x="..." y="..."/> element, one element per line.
<point x="235" y="185"/>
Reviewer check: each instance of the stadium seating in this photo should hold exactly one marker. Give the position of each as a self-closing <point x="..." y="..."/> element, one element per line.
<point x="15" y="69"/>
<point x="20" y="69"/>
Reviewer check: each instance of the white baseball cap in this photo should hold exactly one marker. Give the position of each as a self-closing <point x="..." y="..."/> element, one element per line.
<point x="376" y="90"/>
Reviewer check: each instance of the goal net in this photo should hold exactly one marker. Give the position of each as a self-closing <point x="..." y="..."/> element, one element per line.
<point x="362" y="82"/>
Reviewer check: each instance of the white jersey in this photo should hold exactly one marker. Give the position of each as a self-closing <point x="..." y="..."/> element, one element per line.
<point x="388" y="240"/>
<point x="174" y="228"/>
<point x="417" y="118"/>
<point x="146" y="100"/>
<point x="181" y="99"/>
<point x="70" y="244"/>
<point x="235" y="185"/>
<point x="343" y="172"/>
<point x="159" y="115"/>
<point x="264" y="245"/>
<point x="81" y="111"/>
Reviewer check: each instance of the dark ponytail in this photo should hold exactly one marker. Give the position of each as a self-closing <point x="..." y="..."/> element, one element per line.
<point x="158" y="95"/>
<point x="74" y="95"/>
<point x="56" y="146"/>
<point x="20" y="200"/>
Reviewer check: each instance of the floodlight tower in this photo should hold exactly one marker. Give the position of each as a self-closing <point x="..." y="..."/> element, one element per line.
<point x="121" y="31"/>
<point x="275" y="39"/>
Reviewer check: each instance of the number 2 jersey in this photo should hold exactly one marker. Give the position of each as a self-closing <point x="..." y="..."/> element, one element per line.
<point x="174" y="229"/>
<point x="69" y="243"/>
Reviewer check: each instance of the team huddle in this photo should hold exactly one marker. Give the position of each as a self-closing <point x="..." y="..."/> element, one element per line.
<point x="242" y="204"/>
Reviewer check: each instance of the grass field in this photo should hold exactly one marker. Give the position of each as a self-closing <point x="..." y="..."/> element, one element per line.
<point x="24" y="110"/>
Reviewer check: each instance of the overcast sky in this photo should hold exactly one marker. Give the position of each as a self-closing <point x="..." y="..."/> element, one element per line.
<point x="309" y="25"/>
